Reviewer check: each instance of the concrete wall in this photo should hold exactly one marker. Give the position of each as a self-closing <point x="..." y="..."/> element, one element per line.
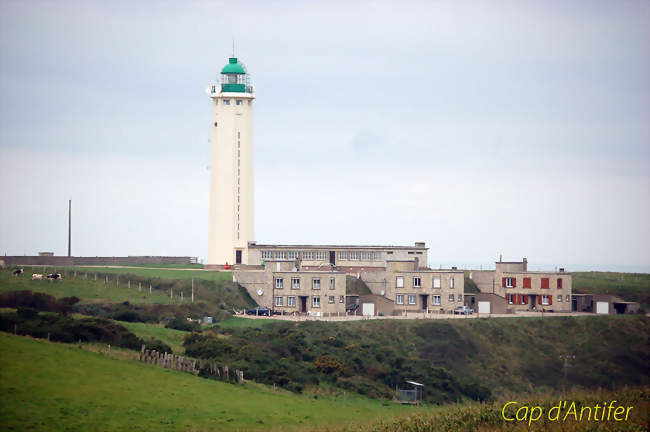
<point x="383" y="305"/>
<point x="90" y="261"/>
<point x="498" y="305"/>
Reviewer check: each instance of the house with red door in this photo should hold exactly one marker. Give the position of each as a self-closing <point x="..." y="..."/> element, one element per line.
<point x="526" y="290"/>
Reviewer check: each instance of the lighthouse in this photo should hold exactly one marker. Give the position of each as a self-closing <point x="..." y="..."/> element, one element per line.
<point x="231" y="224"/>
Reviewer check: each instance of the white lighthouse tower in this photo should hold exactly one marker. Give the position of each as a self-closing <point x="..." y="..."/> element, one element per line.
<point x="231" y="173"/>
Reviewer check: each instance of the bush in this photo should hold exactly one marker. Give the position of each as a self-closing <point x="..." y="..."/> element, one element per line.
<point x="158" y="345"/>
<point x="205" y="346"/>
<point x="183" y="324"/>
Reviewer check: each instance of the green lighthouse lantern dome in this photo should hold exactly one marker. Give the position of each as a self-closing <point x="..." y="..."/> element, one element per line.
<point x="235" y="78"/>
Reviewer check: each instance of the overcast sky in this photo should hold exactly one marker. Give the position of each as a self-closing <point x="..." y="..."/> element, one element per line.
<point x="483" y="128"/>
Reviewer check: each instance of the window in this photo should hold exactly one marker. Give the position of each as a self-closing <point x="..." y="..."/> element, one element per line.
<point x="280" y="255"/>
<point x="295" y="283"/>
<point x="226" y="101"/>
<point x="559" y="283"/>
<point x="330" y="299"/>
<point x="509" y="282"/>
<point x="436" y="300"/>
<point x="239" y="101"/>
<point x="341" y="299"/>
<point x="399" y="282"/>
<point x="279" y="282"/>
<point x="567" y="297"/>
<point x="436" y="281"/>
<point x="315" y="283"/>
<point x="343" y="256"/>
<point x="315" y="301"/>
<point x="307" y="255"/>
<point x="451" y="297"/>
<point x="267" y="255"/>
<point x="389" y="252"/>
<point x="291" y="301"/>
<point x="400" y="299"/>
<point x="559" y="298"/>
<point x="353" y="256"/>
<point x="510" y="298"/>
<point x="526" y="282"/>
<point x="545" y="283"/>
<point x="545" y="299"/>
<point x="377" y="256"/>
<point x="417" y="282"/>
<point x="411" y="299"/>
<point x="320" y="255"/>
<point x="292" y="255"/>
<point x="451" y="282"/>
<point x="332" y="282"/>
<point x="278" y="301"/>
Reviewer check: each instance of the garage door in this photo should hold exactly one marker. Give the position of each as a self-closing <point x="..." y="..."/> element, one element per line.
<point x="368" y="309"/>
<point x="602" y="307"/>
<point x="484" y="307"/>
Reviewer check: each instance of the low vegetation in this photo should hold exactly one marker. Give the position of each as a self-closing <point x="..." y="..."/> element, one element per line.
<point x="455" y="359"/>
<point x="489" y="417"/>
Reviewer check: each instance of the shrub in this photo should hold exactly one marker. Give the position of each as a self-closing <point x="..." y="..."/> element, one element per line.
<point x="158" y="345"/>
<point x="183" y="324"/>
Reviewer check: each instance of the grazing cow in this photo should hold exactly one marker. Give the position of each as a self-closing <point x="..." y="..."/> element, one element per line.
<point x="54" y="276"/>
<point x="18" y="272"/>
<point x="36" y="276"/>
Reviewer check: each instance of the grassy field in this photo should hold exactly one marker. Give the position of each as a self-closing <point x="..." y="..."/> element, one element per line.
<point x="173" y="338"/>
<point x="237" y="322"/>
<point x="88" y="290"/>
<point x="55" y="387"/>
<point x="163" y="273"/>
<point x="214" y="288"/>
<point x="628" y="286"/>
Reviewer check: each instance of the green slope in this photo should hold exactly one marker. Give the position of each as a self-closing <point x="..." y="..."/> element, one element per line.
<point x="53" y="387"/>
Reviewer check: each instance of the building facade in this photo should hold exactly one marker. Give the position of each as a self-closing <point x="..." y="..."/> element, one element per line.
<point x="287" y="288"/>
<point x="526" y="290"/>
<point x="346" y="257"/>
<point x="417" y="289"/>
<point x="231" y="223"/>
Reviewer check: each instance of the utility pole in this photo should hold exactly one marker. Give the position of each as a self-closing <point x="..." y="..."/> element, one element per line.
<point x="69" y="227"/>
<point x="565" y="367"/>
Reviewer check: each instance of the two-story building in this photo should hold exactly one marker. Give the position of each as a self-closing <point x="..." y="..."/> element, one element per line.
<point x="349" y="258"/>
<point x="286" y="287"/>
<point x="417" y="289"/>
<point x="526" y="290"/>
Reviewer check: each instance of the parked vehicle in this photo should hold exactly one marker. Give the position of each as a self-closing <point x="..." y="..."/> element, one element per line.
<point x="463" y="310"/>
<point x="259" y="310"/>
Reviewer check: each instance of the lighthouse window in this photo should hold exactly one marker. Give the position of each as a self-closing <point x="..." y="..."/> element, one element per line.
<point x="226" y="101"/>
<point x="239" y="102"/>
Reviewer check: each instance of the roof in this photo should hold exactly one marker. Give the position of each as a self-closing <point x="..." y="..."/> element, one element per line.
<point x="233" y="67"/>
<point x="415" y="383"/>
<point x="252" y="246"/>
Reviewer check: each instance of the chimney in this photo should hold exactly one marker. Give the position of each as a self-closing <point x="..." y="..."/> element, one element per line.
<point x="561" y="269"/>
<point x="524" y="261"/>
<point x="420" y="244"/>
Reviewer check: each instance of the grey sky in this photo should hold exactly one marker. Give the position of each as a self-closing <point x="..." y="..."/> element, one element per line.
<point x="479" y="127"/>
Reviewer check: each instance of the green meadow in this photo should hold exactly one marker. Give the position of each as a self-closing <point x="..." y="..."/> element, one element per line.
<point x="628" y="286"/>
<point x="55" y="387"/>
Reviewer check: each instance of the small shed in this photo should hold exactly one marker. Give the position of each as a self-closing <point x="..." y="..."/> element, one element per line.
<point x="412" y="396"/>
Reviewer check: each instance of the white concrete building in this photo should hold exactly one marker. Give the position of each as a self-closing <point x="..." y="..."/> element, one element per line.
<point x="231" y="224"/>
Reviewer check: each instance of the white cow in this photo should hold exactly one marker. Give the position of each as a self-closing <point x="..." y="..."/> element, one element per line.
<point x="36" y="276"/>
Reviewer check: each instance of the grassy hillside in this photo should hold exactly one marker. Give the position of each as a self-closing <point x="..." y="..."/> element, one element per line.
<point x="53" y="387"/>
<point x="163" y="273"/>
<point x="215" y="291"/>
<point x="173" y="338"/>
<point x="628" y="286"/>
<point x="455" y="359"/>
